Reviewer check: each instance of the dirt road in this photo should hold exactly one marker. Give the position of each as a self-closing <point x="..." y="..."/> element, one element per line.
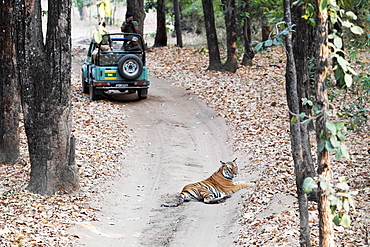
<point x="177" y="140"/>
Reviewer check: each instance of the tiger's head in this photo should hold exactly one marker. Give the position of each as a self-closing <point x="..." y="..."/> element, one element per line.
<point x="229" y="169"/>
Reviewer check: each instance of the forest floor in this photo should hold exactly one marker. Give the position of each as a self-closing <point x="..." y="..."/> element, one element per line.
<point x="134" y="155"/>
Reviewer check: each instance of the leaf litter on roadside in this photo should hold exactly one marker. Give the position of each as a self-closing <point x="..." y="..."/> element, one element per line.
<point x="253" y="103"/>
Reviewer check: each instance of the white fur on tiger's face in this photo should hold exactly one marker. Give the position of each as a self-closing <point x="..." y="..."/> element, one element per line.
<point x="215" y="188"/>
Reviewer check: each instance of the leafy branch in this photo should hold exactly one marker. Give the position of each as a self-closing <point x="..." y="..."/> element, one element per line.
<point x="339" y="195"/>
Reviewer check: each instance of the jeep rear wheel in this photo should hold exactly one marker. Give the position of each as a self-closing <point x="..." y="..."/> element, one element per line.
<point x="130" y="67"/>
<point x="142" y="93"/>
<point x="92" y="93"/>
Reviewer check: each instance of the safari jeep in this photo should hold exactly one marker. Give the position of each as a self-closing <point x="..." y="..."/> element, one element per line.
<point x="121" y="70"/>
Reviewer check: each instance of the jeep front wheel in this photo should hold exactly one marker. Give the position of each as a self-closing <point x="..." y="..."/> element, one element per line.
<point x="85" y="87"/>
<point x="130" y="67"/>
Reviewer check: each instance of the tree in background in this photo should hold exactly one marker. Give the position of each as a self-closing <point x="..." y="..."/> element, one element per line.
<point x="9" y="87"/>
<point x="212" y="41"/>
<point x="176" y="10"/>
<point x="45" y="92"/>
<point x="137" y="8"/>
<point x="231" y="63"/>
<point x="161" y="34"/>
<point x="247" y="33"/>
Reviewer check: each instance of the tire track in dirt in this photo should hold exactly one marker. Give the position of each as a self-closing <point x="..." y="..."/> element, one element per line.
<point x="177" y="140"/>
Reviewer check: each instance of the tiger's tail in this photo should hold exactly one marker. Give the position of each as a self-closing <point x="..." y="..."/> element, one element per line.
<point x="181" y="201"/>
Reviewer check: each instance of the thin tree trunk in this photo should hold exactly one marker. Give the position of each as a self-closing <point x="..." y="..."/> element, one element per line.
<point x="295" y="132"/>
<point x="176" y="8"/>
<point x="231" y="64"/>
<point x="302" y="40"/>
<point x="324" y="167"/>
<point x="265" y="28"/>
<point x="9" y="87"/>
<point x="45" y="87"/>
<point x="212" y="41"/>
<point x="247" y="34"/>
<point x="161" y="35"/>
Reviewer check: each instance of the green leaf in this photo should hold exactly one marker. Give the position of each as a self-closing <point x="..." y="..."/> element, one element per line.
<point x="342" y="62"/>
<point x="343" y="186"/>
<point x="346" y="205"/>
<point x="348" y="79"/>
<point x="323" y="5"/>
<point x="324" y="185"/>
<point x="352" y="202"/>
<point x="347" y="24"/>
<point x="268" y="43"/>
<point x="351" y="15"/>
<point x="357" y="30"/>
<point x="316" y="110"/>
<point x="302" y="115"/>
<point x="308" y="185"/>
<point x="329" y="147"/>
<point x="346" y="220"/>
<point x="293" y="120"/>
<point x="331" y="127"/>
<point x="339" y="125"/>
<point x="334" y="142"/>
<point x="338" y="154"/>
<point x="338" y="42"/>
<point x="352" y="71"/>
<point x="258" y="47"/>
<point x="320" y="146"/>
<point x="344" y="150"/>
<point x="336" y="220"/>
<point x="341" y="136"/>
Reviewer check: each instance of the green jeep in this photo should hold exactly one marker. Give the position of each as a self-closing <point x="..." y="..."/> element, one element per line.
<point x="120" y="69"/>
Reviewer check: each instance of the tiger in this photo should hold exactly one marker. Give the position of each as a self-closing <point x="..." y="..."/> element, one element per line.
<point x="214" y="189"/>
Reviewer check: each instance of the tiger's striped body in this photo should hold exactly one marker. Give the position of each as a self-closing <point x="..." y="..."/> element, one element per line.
<point x="217" y="187"/>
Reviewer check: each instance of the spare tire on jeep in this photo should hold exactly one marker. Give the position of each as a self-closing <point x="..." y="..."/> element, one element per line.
<point x="130" y="67"/>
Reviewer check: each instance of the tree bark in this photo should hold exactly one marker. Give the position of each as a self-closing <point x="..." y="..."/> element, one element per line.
<point x="324" y="167"/>
<point x="161" y="34"/>
<point x="212" y="41"/>
<point x="247" y="35"/>
<point x="176" y="8"/>
<point x="295" y="131"/>
<point x="231" y="64"/>
<point x="137" y="8"/>
<point x="302" y="48"/>
<point x="45" y="92"/>
<point x="265" y="28"/>
<point x="9" y="87"/>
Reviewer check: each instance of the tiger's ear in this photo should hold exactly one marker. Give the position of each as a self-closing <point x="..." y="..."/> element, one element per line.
<point x="234" y="160"/>
<point x="222" y="162"/>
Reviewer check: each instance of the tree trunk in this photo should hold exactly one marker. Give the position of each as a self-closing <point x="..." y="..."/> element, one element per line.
<point x="45" y="92"/>
<point x="295" y="131"/>
<point x="265" y="28"/>
<point x="161" y="35"/>
<point x="9" y="87"/>
<point x="324" y="167"/>
<point x="137" y="8"/>
<point x="303" y="41"/>
<point x="231" y="64"/>
<point x="212" y="41"/>
<point x="247" y="35"/>
<point x="176" y="8"/>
